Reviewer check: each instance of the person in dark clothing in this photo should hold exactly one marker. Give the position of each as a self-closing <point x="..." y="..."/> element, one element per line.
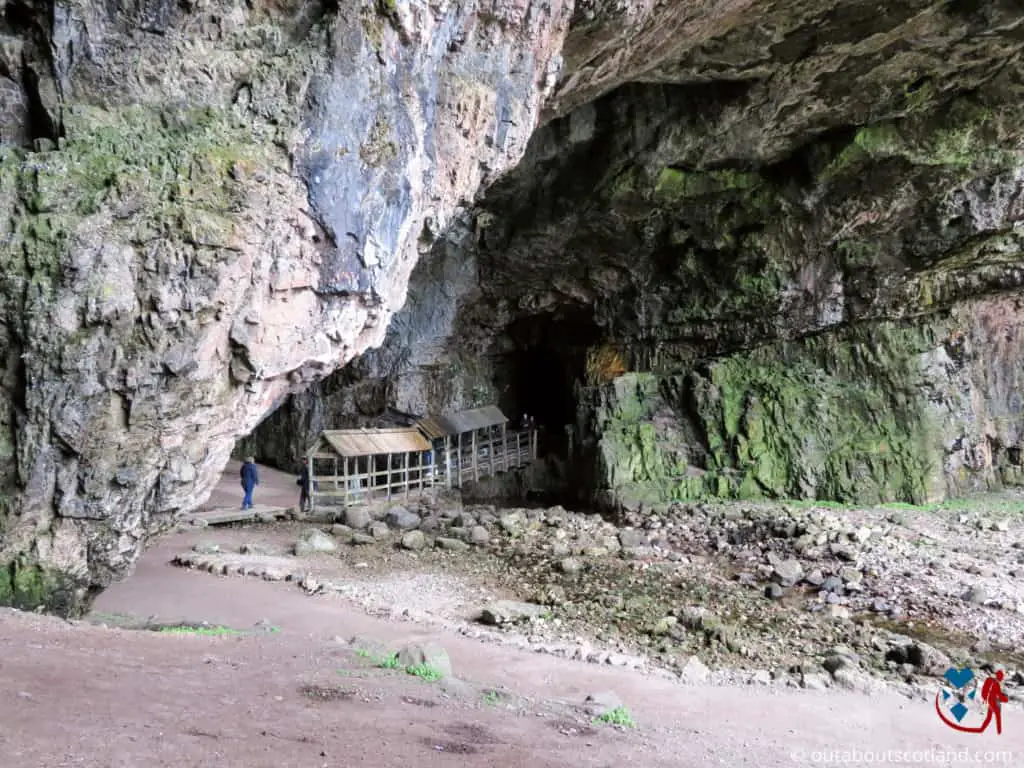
<point x="250" y="479"/>
<point x="304" y="483"/>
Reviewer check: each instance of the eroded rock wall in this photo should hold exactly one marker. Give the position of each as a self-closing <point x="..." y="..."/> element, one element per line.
<point x="214" y="204"/>
<point x="792" y="289"/>
<point x="879" y="412"/>
<point x="209" y="206"/>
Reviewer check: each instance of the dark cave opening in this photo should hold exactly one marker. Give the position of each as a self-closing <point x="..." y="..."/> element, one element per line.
<point x="540" y="375"/>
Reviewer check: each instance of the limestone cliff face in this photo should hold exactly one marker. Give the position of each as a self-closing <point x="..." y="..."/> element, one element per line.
<point x="208" y="206"/>
<point x="214" y="204"/>
<point x="799" y="227"/>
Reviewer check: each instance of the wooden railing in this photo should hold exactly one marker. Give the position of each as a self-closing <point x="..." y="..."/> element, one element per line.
<point x="454" y="463"/>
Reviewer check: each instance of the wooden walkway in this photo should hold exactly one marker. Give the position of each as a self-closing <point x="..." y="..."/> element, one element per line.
<point x="229" y="515"/>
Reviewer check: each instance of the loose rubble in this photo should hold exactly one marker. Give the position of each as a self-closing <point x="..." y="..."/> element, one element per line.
<point x="759" y="593"/>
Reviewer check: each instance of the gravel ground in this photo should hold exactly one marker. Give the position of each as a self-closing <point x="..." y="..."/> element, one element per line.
<point x="772" y="594"/>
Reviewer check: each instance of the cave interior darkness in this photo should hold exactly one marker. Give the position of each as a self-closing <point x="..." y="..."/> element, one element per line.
<point x="540" y="374"/>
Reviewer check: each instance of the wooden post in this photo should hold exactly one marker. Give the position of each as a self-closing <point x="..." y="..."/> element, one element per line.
<point x="519" y="444"/>
<point x="422" y="464"/>
<point x="346" y="481"/>
<point x="312" y="483"/>
<point x="504" y="446"/>
<point x="533" y="444"/>
<point x="334" y="471"/>
<point x="490" y="450"/>
<point x="406" y="454"/>
<point x="476" y="469"/>
<point x="388" y="479"/>
<point x="458" y="458"/>
<point x="447" y="462"/>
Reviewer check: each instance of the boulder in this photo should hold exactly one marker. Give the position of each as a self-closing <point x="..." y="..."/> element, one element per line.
<point x="314" y="541"/>
<point x="402" y="519"/>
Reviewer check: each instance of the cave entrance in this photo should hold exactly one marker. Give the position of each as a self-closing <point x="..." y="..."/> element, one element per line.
<point x="539" y="376"/>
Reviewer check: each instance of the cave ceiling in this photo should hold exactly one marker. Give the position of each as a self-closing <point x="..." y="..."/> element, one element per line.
<point x="770" y="173"/>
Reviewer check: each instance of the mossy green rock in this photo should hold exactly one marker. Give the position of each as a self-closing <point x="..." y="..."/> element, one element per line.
<point x="30" y="587"/>
<point x="840" y="416"/>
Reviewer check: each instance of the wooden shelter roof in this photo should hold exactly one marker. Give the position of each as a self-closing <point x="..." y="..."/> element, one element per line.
<point x="463" y="421"/>
<point x="375" y="442"/>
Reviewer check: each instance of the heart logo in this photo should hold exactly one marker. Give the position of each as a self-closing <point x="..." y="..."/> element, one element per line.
<point x="958" y="678"/>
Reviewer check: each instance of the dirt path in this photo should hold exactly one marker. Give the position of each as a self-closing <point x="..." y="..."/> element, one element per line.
<point x="80" y="695"/>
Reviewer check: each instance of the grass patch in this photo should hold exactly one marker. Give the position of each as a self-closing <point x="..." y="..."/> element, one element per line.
<point x="492" y="698"/>
<point x="424" y="672"/>
<point x="186" y="629"/>
<point x="390" y="662"/>
<point x="618" y="716"/>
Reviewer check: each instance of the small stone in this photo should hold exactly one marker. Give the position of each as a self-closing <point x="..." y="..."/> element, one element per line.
<point x="357" y="518"/>
<point x="788" y="572"/>
<point x="815" y="578"/>
<point x="850" y="575"/>
<point x="832" y="584"/>
<point x="426" y="655"/>
<point x="836" y="661"/>
<point x="414" y="540"/>
<point x="630" y="538"/>
<point x="975" y="595"/>
<point x="761" y="677"/>
<point x="839" y="612"/>
<point x="842" y="551"/>
<point x="479" y="536"/>
<point x="402" y="519"/>
<point x="511" y="522"/>
<point x="694" y="672"/>
<point x="664" y="625"/>
<point x="314" y="541"/>
<point x="1002" y="525"/>
<point x="509" y="612"/>
<point x="379" y="529"/>
<point x="450" y="544"/>
<point x="774" y="592"/>
<point x="560" y="549"/>
<point x="430" y="524"/>
<point x="570" y="565"/>
<point x="362" y="539"/>
<point x="854" y="680"/>
<point x="597" y="704"/>
<point x="341" y="531"/>
<point x="880" y="606"/>
<point x="862" y="534"/>
<point x="206" y="548"/>
<point x="814" y="681"/>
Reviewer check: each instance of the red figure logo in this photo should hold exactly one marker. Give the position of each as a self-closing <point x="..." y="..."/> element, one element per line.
<point x="963" y="699"/>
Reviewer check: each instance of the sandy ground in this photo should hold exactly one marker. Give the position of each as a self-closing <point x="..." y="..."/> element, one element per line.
<point x="80" y="695"/>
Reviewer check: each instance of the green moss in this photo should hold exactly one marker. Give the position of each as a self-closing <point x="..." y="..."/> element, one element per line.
<point x="28" y="587"/>
<point x="962" y="135"/>
<point x="674" y="184"/>
<point x="841" y="416"/>
<point x="174" y="173"/>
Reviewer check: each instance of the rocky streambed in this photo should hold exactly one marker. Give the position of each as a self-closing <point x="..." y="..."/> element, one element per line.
<point x="766" y="593"/>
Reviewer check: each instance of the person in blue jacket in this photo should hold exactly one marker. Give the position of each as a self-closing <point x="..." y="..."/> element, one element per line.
<point x="250" y="479"/>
